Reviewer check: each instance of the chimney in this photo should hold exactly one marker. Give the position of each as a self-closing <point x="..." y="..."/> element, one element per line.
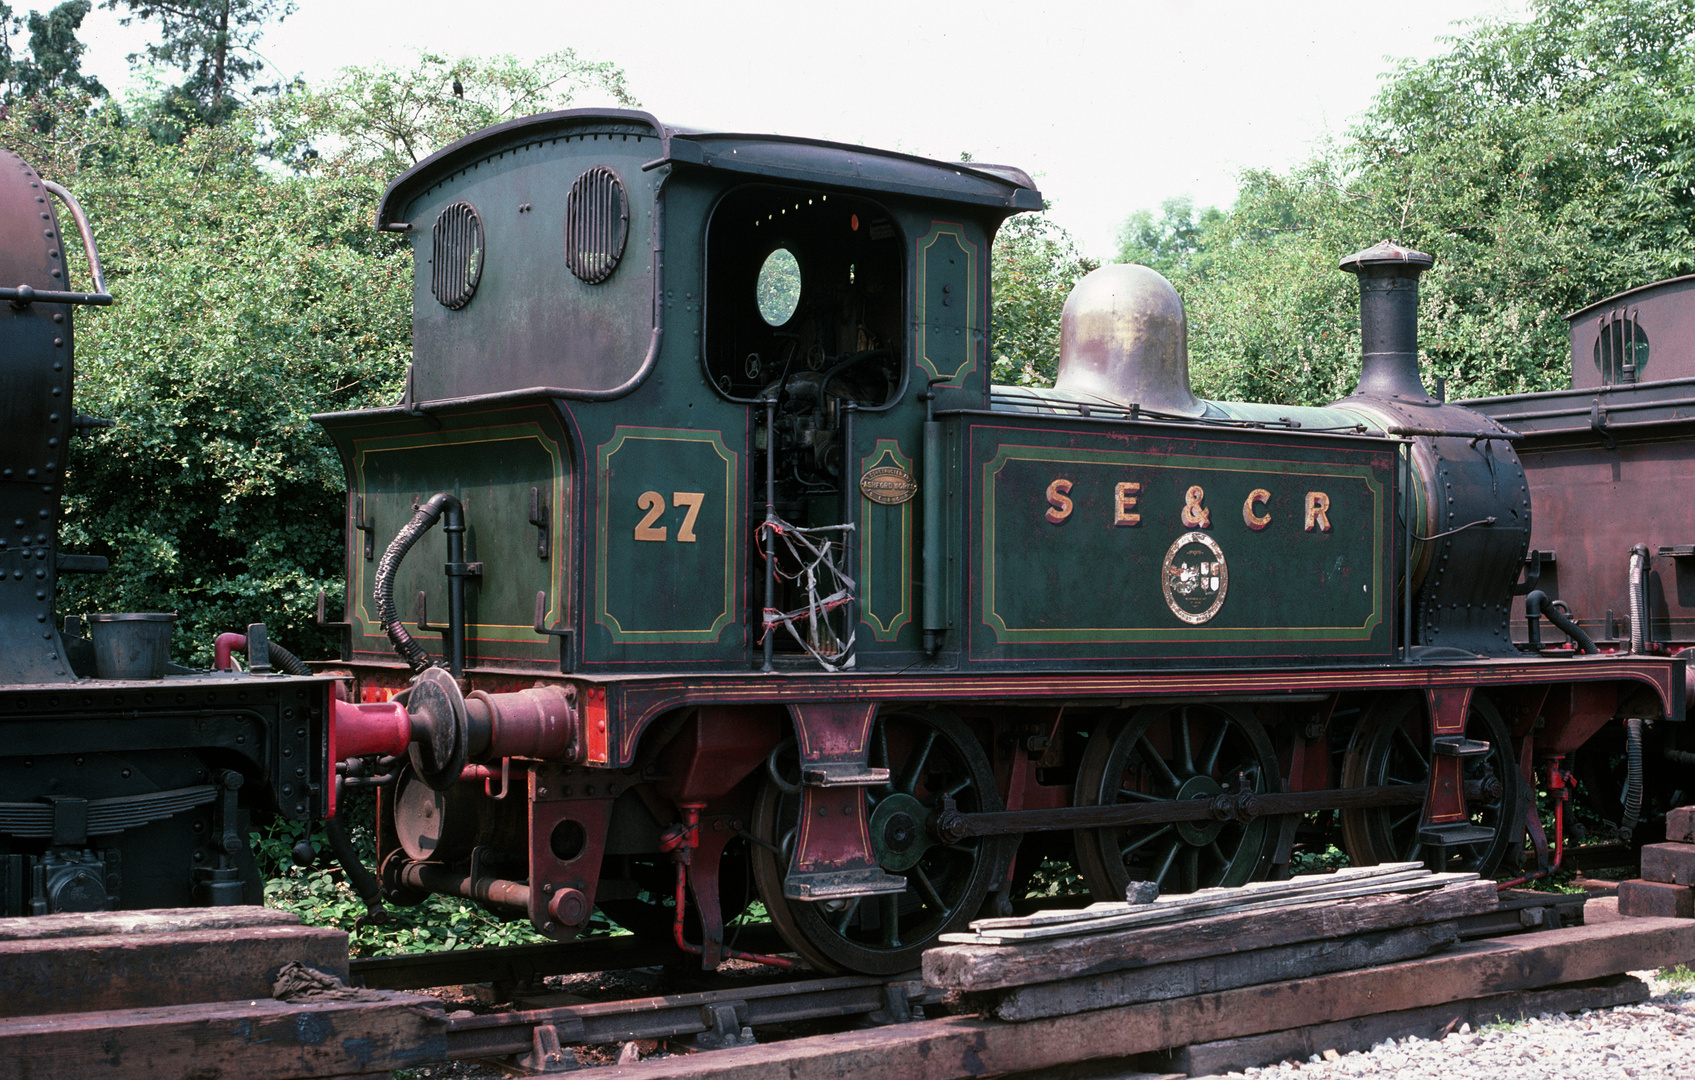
<point x="1388" y="276"/>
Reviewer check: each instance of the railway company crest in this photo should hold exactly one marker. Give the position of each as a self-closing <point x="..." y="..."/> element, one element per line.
<point x="1195" y="577"/>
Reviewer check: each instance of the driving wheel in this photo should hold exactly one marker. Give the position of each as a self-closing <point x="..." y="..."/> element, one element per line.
<point x="1165" y="753"/>
<point x="1391" y="747"/>
<point x="929" y="754"/>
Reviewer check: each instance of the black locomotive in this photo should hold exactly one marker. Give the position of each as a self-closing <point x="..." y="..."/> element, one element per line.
<point x="755" y="586"/>
<point x="125" y="781"/>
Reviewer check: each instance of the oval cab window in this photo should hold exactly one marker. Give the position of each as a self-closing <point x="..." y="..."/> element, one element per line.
<point x="779" y="287"/>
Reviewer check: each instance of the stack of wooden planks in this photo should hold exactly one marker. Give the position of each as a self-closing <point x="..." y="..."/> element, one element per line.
<point x="1055" y="963"/>
<point x="1667" y="885"/>
<point x="1186" y="1019"/>
<point x="1260" y="896"/>
<point x="192" y="992"/>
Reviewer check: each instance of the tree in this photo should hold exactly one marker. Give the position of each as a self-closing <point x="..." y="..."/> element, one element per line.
<point x="1544" y="163"/>
<point x="212" y="41"/>
<point x="1175" y="244"/>
<point x="385" y="119"/>
<point x="1271" y="318"/>
<point x="1034" y="265"/>
<point x="246" y="301"/>
<point x="55" y="62"/>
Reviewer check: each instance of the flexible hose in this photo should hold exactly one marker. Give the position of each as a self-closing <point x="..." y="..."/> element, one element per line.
<point x="1633" y="777"/>
<point x="1638" y="598"/>
<point x="1536" y="603"/>
<point x="387" y="615"/>
<point x="358" y="875"/>
<point x="282" y="658"/>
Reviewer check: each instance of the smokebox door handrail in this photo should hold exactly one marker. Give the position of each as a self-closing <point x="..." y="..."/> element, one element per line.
<point x="24" y="295"/>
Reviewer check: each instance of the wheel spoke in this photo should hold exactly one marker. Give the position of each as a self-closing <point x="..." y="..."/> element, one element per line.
<point x="1209" y="761"/>
<point x="891" y="920"/>
<point x="847" y="915"/>
<point x="1157" y="763"/>
<point x="1412" y="748"/>
<point x="929" y="754"/>
<point x="1140" y="796"/>
<point x="1185" y="749"/>
<point x="1170" y="858"/>
<point x="928" y="889"/>
<point x="883" y="757"/>
<point x="1404" y="818"/>
<point x="1218" y="854"/>
<point x="915" y="767"/>
<point x="1124" y="852"/>
<point x="1191" y="869"/>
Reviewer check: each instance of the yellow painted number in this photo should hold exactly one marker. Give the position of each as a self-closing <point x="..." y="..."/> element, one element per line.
<point x="654" y="504"/>
<point x="692" y="500"/>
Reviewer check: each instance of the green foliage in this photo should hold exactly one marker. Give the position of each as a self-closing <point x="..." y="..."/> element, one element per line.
<point x="1272" y="319"/>
<point x="321" y="896"/>
<point x="778" y="287"/>
<point x="245" y="302"/>
<point x="1679" y="979"/>
<point x="55" y="62"/>
<point x="1175" y="244"/>
<point x="1034" y="265"/>
<point x="1544" y="163"/>
<point x="1312" y="862"/>
<point x="382" y="120"/>
<point x="1055" y="877"/>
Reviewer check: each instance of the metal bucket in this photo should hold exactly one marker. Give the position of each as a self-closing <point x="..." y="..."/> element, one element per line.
<point x="134" y="645"/>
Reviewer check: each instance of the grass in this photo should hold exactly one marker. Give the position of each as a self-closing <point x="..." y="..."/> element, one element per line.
<point x="1679" y="978"/>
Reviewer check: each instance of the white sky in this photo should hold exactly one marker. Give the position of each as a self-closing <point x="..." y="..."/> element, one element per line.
<point x="1113" y="107"/>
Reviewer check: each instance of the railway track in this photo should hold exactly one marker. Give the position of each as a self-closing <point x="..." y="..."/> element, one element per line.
<point x="711" y="1011"/>
<point x="172" y="1000"/>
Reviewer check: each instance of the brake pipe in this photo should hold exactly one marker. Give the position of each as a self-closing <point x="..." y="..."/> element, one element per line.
<point x="1560" y="784"/>
<point x="681" y="842"/>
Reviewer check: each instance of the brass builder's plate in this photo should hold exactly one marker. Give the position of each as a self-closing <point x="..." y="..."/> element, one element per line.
<point x="888" y="484"/>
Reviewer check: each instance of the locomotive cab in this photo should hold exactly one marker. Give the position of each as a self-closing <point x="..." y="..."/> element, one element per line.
<point x="632" y="341"/>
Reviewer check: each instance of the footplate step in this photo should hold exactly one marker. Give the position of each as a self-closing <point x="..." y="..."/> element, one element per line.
<point x="841" y="774"/>
<point x="1459" y="746"/>
<point x="1450" y="835"/>
<point x="841" y="885"/>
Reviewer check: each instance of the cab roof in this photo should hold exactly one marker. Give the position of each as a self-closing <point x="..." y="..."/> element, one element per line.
<point x="769" y="157"/>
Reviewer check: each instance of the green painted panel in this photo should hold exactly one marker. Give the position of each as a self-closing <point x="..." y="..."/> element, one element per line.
<point x="491" y="467"/>
<point x="667" y="544"/>
<point x="950" y="327"/>
<point x="1170" y="546"/>
<point x="885" y="550"/>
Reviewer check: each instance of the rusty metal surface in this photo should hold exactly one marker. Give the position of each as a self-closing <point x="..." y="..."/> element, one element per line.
<point x="35" y="428"/>
<point x="1659" y="317"/>
<point x="1593" y="504"/>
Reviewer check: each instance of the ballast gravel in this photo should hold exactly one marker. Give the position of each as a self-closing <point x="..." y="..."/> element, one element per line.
<point x="1646" y="1041"/>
